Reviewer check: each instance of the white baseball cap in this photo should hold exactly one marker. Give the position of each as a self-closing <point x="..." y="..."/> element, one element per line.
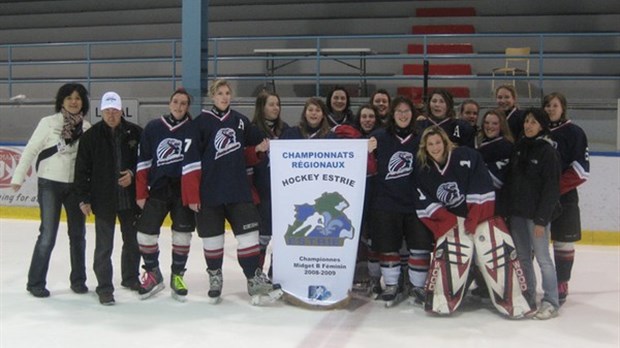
<point x="111" y="100"/>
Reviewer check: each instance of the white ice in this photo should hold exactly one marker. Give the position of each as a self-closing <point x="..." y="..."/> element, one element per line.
<point x="590" y="318"/>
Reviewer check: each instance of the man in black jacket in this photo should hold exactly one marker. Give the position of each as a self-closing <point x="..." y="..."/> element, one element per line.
<point x="104" y="177"/>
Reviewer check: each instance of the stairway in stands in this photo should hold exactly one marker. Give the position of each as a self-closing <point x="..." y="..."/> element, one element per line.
<point x="415" y="93"/>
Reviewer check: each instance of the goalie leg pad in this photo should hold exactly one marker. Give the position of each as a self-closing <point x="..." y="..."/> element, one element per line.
<point x="497" y="260"/>
<point x="447" y="280"/>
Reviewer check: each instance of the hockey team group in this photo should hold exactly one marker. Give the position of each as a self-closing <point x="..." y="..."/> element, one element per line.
<point x="455" y="205"/>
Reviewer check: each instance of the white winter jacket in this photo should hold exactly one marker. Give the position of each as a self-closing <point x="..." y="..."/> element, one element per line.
<point x="58" y="167"/>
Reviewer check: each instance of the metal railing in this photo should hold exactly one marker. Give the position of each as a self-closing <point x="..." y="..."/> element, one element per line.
<point x="219" y="53"/>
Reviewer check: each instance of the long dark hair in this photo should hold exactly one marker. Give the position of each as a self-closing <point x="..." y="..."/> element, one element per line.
<point x="259" y="115"/>
<point x="66" y="90"/>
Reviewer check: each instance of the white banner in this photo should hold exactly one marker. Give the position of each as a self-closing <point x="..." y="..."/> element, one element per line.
<point x="27" y="194"/>
<point x="317" y="197"/>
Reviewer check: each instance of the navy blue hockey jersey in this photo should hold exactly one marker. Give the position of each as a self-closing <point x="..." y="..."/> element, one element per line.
<point x="161" y="153"/>
<point x="496" y="154"/>
<point x="459" y="131"/>
<point x="463" y="188"/>
<point x="214" y="167"/>
<point x="394" y="186"/>
<point x="572" y="145"/>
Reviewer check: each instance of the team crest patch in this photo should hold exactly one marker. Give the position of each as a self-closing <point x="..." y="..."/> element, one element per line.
<point x="449" y="194"/>
<point x="323" y="223"/>
<point x="400" y="164"/>
<point x="225" y="142"/>
<point x="169" y="150"/>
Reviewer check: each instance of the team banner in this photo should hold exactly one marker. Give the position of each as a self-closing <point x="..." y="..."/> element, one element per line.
<point x="317" y="197"/>
<point x="27" y="194"/>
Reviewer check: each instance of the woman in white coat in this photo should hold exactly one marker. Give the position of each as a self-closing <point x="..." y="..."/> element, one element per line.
<point x="54" y="145"/>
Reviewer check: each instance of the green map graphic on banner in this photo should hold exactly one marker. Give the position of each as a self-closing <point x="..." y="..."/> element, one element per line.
<point x="323" y="223"/>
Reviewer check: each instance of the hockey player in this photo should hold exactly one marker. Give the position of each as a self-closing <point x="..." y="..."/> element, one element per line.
<point x="495" y="143"/>
<point x="506" y="98"/>
<point x="338" y="105"/>
<point x="469" y="112"/>
<point x="440" y="112"/>
<point x="393" y="214"/>
<point x="158" y="192"/>
<point x="572" y="144"/>
<point x="268" y="121"/>
<point x="215" y="186"/>
<point x="456" y="200"/>
<point x="367" y="275"/>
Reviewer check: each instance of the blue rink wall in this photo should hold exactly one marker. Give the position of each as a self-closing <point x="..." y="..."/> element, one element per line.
<point x="599" y="197"/>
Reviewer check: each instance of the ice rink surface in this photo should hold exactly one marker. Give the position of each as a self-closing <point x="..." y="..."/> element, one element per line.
<point x="590" y="317"/>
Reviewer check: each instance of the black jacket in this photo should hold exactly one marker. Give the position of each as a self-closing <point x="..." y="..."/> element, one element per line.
<point x="532" y="188"/>
<point x="96" y="176"/>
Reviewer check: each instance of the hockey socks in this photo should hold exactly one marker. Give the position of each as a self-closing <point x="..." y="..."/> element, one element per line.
<point x="213" y="249"/>
<point x="180" y="250"/>
<point x="564" y="255"/>
<point x="248" y="253"/>
<point x="149" y="249"/>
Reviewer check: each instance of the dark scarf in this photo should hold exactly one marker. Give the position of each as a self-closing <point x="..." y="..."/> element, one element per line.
<point x="173" y="121"/>
<point x="72" y="126"/>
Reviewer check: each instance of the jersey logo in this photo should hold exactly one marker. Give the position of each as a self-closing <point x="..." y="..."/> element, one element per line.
<point x="465" y="164"/>
<point x="449" y="194"/>
<point x="241" y="125"/>
<point x="400" y="164"/>
<point x="225" y="142"/>
<point x="169" y="150"/>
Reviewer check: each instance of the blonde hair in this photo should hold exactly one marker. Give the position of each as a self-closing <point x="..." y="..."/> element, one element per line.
<point x="510" y="88"/>
<point x="217" y="84"/>
<point x="422" y="155"/>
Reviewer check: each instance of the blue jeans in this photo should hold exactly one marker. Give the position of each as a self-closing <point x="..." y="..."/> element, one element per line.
<point x="522" y="231"/>
<point x="104" y="244"/>
<point x="52" y="196"/>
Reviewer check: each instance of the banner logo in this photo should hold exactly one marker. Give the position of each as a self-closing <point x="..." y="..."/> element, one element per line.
<point x="323" y="223"/>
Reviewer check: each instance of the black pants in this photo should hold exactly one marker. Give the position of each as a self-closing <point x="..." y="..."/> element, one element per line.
<point x="130" y="255"/>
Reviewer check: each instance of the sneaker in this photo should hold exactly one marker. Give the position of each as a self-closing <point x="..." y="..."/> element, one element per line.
<point x="38" y="292"/>
<point x="546" y="311"/>
<point x="177" y="285"/>
<point x="80" y="288"/>
<point x="562" y="292"/>
<point x="131" y="285"/>
<point x="215" y="284"/>
<point x="152" y="283"/>
<point x="106" y="298"/>
<point x="417" y="295"/>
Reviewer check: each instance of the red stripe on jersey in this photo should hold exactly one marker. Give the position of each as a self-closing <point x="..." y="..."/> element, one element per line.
<point x="440" y="222"/>
<point x="190" y="187"/>
<point x="142" y="183"/>
<point x="569" y="180"/>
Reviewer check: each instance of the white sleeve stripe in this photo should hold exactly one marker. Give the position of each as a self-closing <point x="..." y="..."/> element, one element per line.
<point x="191" y="167"/>
<point x="583" y="174"/>
<point x="497" y="183"/>
<point x="481" y="198"/>
<point x="144" y="165"/>
<point x="428" y="211"/>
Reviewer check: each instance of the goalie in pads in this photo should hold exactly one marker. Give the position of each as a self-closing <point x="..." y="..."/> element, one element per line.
<point x="456" y="200"/>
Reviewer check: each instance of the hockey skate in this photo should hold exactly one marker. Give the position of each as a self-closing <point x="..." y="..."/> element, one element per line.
<point x="178" y="288"/>
<point x="562" y="292"/>
<point x="215" y="286"/>
<point x="374" y="288"/>
<point x="417" y="295"/>
<point x="260" y="287"/>
<point x="152" y="283"/>
<point x="392" y="295"/>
